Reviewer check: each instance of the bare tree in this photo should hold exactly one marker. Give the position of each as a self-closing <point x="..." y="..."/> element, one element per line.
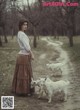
<point x="2" y="23"/>
<point x="33" y="14"/>
<point x="65" y="16"/>
<point x="70" y="21"/>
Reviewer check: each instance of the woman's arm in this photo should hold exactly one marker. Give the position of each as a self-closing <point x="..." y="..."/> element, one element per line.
<point x="26" y="45"/>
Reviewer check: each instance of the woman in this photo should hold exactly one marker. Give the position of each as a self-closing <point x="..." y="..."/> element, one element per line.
<point x="23" y="70"/>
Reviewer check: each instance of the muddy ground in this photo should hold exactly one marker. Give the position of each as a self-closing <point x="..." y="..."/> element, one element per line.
<point x="44" y="54"/>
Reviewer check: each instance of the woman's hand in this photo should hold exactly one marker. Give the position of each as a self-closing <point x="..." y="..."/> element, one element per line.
<point x="32" y="55"/>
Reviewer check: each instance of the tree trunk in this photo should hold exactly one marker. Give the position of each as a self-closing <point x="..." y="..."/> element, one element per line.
<point x="71" y="41"/>
<point x="34" y="42"/>
<point x="5" y="37"/>
<point x="70" y="36"/>
<point x="0" y="41"/>
<point x="12" y="33"/>
<point x="72" y="29"/>
<point x="58" y="37"/>
<point x="55" y="36"/>
<point x="38" y="37"/>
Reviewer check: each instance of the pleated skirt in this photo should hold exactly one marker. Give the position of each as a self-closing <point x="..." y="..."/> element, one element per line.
<point x="21" y="84"/>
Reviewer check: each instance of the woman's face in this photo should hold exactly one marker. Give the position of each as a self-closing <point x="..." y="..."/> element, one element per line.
<point x="24" y="26"/>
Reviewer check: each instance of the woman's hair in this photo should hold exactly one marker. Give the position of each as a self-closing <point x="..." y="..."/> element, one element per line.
<point x="21" y="22"/>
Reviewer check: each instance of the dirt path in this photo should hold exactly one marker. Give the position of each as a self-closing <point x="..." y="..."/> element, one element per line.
<point x="69" y="73"/>
<point x="48" y="55"/>
<point x="63" y="61"/>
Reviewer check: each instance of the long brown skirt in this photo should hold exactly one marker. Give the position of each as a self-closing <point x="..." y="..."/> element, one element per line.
<point x="21" y="84"/>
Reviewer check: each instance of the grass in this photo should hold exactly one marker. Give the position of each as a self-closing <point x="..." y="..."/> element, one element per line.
<point x="8" y="54"/>
<point x="73" y="51"/>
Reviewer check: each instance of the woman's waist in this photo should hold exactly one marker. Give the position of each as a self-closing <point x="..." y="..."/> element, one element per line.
<point x="24" y="52"/>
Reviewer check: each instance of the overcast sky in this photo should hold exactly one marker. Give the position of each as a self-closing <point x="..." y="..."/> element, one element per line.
<point x="24" y="2"/>
<point x="30" y="1"/>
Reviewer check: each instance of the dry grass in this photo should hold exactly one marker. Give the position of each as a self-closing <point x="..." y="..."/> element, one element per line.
<point x="8" y="55"/>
